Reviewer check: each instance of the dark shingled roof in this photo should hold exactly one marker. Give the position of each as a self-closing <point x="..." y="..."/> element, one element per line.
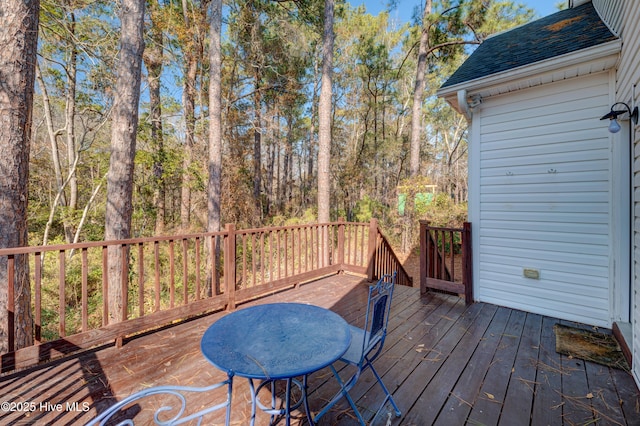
<point x="563" y="32"/>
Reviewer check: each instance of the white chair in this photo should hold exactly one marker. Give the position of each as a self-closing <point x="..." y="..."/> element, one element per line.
<point x="127" y="408"/>
<point x="366" y="345"/>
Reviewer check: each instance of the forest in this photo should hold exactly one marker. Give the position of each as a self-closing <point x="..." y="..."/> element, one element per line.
<point x="143" y="118"/>
<point x="270" y="86"/>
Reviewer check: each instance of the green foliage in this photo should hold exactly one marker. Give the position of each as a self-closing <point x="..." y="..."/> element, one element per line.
<point x="272" y="49"/>
<point x="367" y="208"/>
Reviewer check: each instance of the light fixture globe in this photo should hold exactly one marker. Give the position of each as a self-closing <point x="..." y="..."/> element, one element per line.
<point x="614" y="126"/>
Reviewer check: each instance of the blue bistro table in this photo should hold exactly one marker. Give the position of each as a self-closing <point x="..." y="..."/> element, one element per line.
<point x="279" y="341"/>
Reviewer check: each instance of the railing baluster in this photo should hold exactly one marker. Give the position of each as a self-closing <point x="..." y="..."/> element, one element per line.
<point x="156" y="251"/>
<point x="199" y="265"/>
<point x="61" y="291"/>
<point x="140" y="279"/>
<point x="253" y="259"/>
<point x="452" y="256"/>
<point x="244" y="261"/>
<point x="306" y="249"/>
<point x="269" y="254"/>
<point x="124" y="281"/>
<point x="38" y="297"/>
<point x="263" y="262"/>
<point x="11" y="302"/>
<point x="363" y="247"/>
<point x="105" y="286"/>
<point x="85" y="290"/>
<point x="286" y="253"/>
<point x="172" y="274"/>
<point x="277" y="263"/>
<point x="185" y="272"/>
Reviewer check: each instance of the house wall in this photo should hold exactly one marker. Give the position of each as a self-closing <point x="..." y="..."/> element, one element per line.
<point x="546" y="200"/>
<point x="623" y="18"/>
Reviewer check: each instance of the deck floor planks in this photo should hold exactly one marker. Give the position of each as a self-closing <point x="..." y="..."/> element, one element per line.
<point x="411" y="398"/>
<point x="627" y="396"/>
<point x="604" y="399"/>
<point x="448" y="331"/>
<point x="575" y="388"/>
<point x="457" y="408"/>
<point x="489" y="403"/>
<point x="519" y="397"/>
<point x="438" y="391"/>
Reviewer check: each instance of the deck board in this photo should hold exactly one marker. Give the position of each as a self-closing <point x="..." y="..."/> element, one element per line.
<point x="519" y="397"/>
<point x="446" y="364"/>
<point x="547" y="408"/>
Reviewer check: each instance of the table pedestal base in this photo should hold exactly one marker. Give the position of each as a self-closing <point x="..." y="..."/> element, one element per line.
<point x="285" y="411"/>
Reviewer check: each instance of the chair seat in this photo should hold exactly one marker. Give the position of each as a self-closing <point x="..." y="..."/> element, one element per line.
<point x="354" y="353"/>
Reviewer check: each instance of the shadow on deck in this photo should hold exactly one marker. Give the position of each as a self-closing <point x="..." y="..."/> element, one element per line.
<point x="445" y="363"/>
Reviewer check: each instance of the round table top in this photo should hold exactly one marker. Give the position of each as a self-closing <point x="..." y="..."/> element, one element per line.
<point x="276" y="341"/>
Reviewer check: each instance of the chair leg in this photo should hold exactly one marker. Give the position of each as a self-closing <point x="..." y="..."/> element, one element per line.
<point x="386" y="391"/>
<point x="343" y="392"/>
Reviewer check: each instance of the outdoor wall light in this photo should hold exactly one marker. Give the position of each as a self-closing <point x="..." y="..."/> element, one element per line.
<point x="614" y="126"/>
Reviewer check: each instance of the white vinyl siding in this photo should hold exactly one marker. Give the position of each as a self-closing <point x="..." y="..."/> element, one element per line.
<point x="612" y="13"/>
<point x="628" y="78"/>
<point x="545" y="200"/>
<point x="623" y="17"/>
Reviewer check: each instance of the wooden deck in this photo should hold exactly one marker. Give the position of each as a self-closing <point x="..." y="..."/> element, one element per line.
<point x="446" y="364"/>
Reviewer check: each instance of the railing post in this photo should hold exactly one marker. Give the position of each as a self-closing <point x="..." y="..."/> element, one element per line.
<point x="341" y="226"/>
<point x="230" y="266"/>
<point x="467" y="262"/>
<point x="424" y="253"/>
<point x="373" y="238"/>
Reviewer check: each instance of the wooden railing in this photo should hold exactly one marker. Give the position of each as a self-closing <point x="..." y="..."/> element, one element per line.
<point x="173" y="278"/>
<point x="384" y="261"/>
<point x="445" y="259"/>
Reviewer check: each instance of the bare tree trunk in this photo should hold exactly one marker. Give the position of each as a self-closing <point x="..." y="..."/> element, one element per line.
<point x="119" y="207"/>
<point x="68" y="196"/>
<point x="324" y="116"/>
<point x="193" y="15"/>
<point x="53" y="135"/>
<point x="214" y="193"/>
<point x="153" y="56"/>
<point x="257" y="144"/>
<point x="308" y="183"/>
<point x="188" y="104"/>
<point x="416" y="111"/>
<point x="70" y="115"/>
<point x="60" y="197"/>
<point x="18" y="48"/>
<point x="287" y="168"/>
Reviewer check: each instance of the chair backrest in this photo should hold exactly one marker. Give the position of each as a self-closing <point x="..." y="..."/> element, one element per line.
<point x="124" y="412"/>
<point x="377" y="316"/>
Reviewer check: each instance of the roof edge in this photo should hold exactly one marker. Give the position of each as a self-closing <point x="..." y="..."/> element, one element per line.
<point x="582" y="56"/>
<point x="547" y="65"/>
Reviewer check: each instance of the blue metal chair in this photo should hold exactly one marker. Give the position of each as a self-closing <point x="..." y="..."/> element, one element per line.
<point x="127" y="408"/>
<point x="366" y="345"/>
